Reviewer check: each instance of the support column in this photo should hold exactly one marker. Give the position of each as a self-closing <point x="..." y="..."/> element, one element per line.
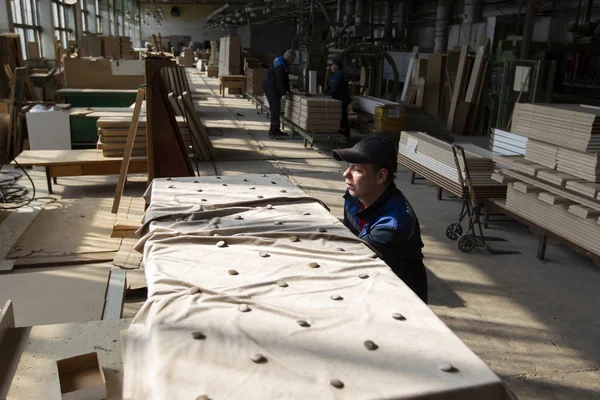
<point x="527" y="30"/>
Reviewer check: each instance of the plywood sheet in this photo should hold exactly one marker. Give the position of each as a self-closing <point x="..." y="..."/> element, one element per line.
<point x="69" y="226"/>
<point x="433" y="84"/>
<point x="56" y="295"/>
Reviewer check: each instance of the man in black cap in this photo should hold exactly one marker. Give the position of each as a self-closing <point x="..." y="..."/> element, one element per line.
<point x="338" y="89"/>
<point x="377" y="212"/>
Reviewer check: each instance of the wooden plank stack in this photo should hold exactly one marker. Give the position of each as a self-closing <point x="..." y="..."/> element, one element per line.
<point x="575" y="127"/>
<point x="254" y="78"/>
<point x="541" y="153"/>
<point x="507" y="143"/>
<point x="557" y="183"/>
<point x="434" y="159"/>
<point x="576" y="222"/>
<point x="112" y="135"/>
<point x="314" y="114"/>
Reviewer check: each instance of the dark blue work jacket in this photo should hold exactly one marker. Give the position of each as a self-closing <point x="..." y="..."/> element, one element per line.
<point x="392" y="228"/>
<point x="277" y="81"/>
<point x="338" y="87"/>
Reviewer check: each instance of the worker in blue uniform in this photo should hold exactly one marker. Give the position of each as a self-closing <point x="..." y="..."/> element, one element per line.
<point x="376" y="210"/>
<point x="276" y="85"/>
<point x="338" y="89"/>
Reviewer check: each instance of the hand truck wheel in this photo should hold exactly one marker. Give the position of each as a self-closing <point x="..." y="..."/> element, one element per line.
<point x="454" y="231"/>
<point x="466" y="243"/>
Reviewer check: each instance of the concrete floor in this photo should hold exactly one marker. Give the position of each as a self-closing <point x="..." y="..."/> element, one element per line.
<point x="536" y="324"/>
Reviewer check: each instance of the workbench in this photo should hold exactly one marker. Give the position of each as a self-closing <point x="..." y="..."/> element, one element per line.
<point x="231" y="82"/>
<point x="287" y="303"/>
<point x="61" y="163"/>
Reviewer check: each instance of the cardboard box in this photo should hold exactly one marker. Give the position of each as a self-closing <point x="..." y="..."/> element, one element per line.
<point x="388" y="112"/>
<point x="389" y="125"/>
<point x="81" y="378"/>
<point x="92" y="46"/>
<point x="112" y="47"/>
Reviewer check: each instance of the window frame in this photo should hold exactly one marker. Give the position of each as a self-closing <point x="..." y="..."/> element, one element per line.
<point x="26" y="23"/>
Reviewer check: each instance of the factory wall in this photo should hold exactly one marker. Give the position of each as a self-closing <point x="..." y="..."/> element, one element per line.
<point x="189" y="23"/>
<point x="267" y="38"/>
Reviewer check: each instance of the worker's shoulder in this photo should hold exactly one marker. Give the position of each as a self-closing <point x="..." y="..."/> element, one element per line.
<point x="396" y="209"/>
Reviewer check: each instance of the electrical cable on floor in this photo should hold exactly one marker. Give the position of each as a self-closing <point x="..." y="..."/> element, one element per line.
<point x="11" y="192"/>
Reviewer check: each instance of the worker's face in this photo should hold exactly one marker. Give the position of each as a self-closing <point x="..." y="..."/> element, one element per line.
<point x="291" y="59"/>
<point x="334" y="68"/>
<point x="364" y="179"/>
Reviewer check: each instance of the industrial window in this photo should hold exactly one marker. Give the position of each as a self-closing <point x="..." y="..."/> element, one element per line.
<point x="63" y="22"/>
<point x="26" y="23"/>
<point x="85" y="14"/>
<point x="98" y="16"/>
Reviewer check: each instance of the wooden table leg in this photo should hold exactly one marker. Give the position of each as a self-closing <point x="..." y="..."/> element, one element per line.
<point x="412" y="178"/>
<point x="541" y="251"/>
<point x="49" y="180"/>
<point x="55" y="180"/>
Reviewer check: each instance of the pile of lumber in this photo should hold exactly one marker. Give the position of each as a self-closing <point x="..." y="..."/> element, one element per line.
<point x="556" y="184"/>
<point x="415" y="92"/>
<point x="561" y="139"/>
<point x="571" y="126"/>
<point x="434" y="160"/>
<point x="314" y="114"/>
<point x="572" y="216"/>
<point x="112" y="135"/>
<point x="507" y="143"/>
<point x="254" y="78"/>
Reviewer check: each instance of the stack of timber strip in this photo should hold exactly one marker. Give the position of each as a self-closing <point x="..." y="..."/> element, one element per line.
<point x="572" y="221"/>
<point x="575" y="127"/>
<point x="582" y="165"/>
<point x="420" y="152"/>
<point x="507" y="143"/>
<point x="314" y="114"/>
<point x="254" y="78"/>
<point x="112" y="135"/>
<point x="541" y="153"/>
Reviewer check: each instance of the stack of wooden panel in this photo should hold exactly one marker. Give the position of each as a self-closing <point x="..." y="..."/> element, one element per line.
<point x="254" y="78"/>
<point x="112" y="135"/>
<point x="314" y="114"/>
<point x="507" y="143"/>
<point x="541" y="153"/>
<point x="582" y="165"/>
<point x="572" y="216"/>
<point x="434" y="160"/>
<point x="572" y="126"/>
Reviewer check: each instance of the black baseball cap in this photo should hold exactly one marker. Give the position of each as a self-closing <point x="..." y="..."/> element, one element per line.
<point x="376" y="150"/>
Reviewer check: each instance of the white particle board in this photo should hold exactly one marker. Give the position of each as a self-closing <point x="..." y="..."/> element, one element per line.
<point x="49" y="130"/>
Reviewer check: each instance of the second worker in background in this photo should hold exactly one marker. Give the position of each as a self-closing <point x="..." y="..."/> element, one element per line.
<point x="338" y="89"/>
<point x="276" y="85"/>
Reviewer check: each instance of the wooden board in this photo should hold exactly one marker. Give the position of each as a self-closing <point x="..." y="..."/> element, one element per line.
<point x="56" y="295"/>
<point x="14" y="226"/>
<point x="458" y="90"/>
<point x="87" y="225"/>
<point x="433" y="84"/>
<point x="476" y="75"/>
<point x="128" y="151"/>
<point x="115" y="294"/>
<point x="45" y="158"/>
